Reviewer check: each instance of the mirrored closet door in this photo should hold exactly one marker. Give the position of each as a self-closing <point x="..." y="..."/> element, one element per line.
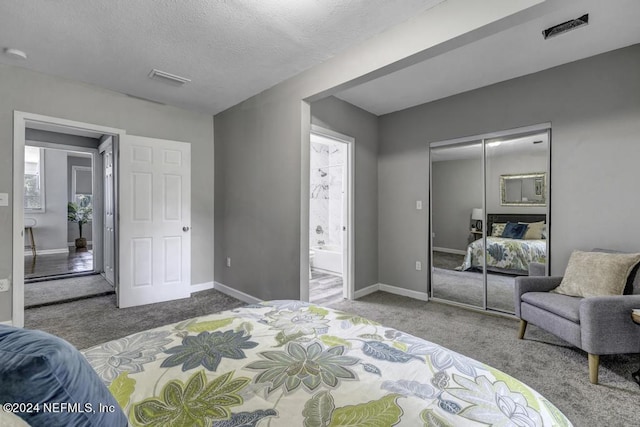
<point x="489" y="210"/>
<point x="456" y="189"/>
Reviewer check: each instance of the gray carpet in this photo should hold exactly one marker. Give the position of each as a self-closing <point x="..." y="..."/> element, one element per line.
<point x="553" y="368"/>
<point x="64" y="289"/>
<point x="447" y="260"/>
<point x="92" y="321"/>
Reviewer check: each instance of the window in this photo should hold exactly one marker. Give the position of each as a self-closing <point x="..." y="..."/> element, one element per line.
<point x="82" y="188"/>
<point x="33" y="179"/>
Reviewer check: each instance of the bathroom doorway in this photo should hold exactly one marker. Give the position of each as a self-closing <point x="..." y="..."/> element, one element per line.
<point x="330" y="224"/>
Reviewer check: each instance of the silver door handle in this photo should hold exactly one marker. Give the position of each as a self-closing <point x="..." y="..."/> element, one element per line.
<point x="185" y="228"/>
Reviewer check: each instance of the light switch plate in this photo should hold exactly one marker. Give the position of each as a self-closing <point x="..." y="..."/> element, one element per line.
<point x="5" y="285"/>
<point x="4" y="199"/>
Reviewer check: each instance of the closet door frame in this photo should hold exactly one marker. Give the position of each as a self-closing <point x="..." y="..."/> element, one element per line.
<point x="537" y="128"/>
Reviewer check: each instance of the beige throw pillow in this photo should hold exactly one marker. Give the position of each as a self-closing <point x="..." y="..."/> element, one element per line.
<point x="534" y="230"/>
<point x="592" y="274"/>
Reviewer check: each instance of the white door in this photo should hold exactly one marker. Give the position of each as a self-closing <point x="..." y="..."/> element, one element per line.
<point x="106" y="150"/>
<point x="154" y="194"/>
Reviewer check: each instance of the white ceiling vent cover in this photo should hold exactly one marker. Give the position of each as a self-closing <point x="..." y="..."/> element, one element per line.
<point x="168" y="77"/>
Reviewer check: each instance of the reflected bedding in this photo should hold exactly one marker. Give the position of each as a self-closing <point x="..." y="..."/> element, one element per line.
<point x="504" y="254"/>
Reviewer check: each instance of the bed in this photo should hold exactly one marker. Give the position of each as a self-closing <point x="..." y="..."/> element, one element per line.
<point x="292" y="363"/>
<point x="507" y="255"/>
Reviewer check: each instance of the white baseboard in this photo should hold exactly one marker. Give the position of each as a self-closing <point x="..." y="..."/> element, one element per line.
<point x="366" y="291"/>
<point x="450" y="251"/>
<point x="250" y="299"/>
<point x="7" y="322"/>
<point x="201" y="287"/>
<point x="27" y="252"/>
<point x="422" y="296"/>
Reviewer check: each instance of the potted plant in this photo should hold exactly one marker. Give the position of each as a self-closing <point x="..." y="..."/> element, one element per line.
<point x="81" y="213"/>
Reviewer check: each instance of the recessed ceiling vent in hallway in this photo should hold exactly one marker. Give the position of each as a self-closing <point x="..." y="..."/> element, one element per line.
<point x="565" y="26"/>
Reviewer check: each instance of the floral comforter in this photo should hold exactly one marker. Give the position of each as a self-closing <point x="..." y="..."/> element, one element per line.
<point x="294" y="364"/>
<point x="512" y="255"/>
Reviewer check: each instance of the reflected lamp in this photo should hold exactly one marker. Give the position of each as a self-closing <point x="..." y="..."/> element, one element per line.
<point x="477" y="216"/>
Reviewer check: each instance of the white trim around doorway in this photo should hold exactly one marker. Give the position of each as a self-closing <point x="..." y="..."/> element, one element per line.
<point x="348" y="274"/>
<point x="20" y="121"/>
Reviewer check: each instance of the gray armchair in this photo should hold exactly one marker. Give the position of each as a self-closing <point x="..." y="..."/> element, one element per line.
<point x="597" y="325"/>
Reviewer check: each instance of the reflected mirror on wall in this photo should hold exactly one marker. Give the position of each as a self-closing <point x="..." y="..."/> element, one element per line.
<point x="529" y="189"/>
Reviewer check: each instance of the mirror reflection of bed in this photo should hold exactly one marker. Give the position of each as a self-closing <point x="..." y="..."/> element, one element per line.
<point x="465" y="176"/>
<point x="506" y="258"/>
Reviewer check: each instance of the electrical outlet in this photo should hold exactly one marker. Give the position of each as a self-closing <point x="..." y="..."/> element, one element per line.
<point x="419" y="204"/>
<point x="228" y="261"/>
<point x="418" y="265"/>
<point x="5" y="285"/>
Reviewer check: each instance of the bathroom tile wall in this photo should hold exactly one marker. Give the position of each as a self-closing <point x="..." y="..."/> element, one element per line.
<point x="325" y="219"/>
<point x="319" y="204"/>
<point x="336" y="153"/>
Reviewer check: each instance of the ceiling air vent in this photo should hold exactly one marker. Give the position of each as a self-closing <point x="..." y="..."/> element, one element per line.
<point x="168" y="77"/>
<point x="565" y="26"/>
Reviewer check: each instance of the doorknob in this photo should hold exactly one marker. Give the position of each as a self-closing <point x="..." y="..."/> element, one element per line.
<point x="185" y="228"/>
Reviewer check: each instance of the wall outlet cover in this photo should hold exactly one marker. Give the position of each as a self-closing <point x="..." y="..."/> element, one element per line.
<point x="5" y="285"/>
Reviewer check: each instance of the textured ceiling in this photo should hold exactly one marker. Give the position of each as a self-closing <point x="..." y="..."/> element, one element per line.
<point x="514" y="52"/>
<point x="230" y="49"/>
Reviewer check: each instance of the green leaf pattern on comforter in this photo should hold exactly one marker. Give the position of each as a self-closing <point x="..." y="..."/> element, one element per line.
<point x="292" y="363"/>
<point x="506" y="254"/>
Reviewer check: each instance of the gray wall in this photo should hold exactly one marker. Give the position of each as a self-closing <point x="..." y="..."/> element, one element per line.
<point x="337" y="115"/>
<point x="50" y="232"/>
<point x="32" y="92"/>
<point x="61" y="138"/>
<point x="257" y="187"/>
<point x="262" y="167"/>
<point x="456" y="189"/>
<point x="594" y="107"/>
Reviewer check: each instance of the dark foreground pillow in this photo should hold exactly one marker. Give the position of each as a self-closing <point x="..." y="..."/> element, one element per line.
<point x="513" y="230"/>
<point x="39" y="368"/>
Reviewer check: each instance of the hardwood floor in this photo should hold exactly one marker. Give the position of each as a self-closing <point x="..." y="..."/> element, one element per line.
<point x="324" y="288"/>
<point x="54" y="265"/>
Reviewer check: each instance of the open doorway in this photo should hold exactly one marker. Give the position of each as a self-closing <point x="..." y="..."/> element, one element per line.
<point x="59" y="255"/>
<point x="58" y="219"/>
<point x="330" y="244"/>
<point x="58" y="213"/>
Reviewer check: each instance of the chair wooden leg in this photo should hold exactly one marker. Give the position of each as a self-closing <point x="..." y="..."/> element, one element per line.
<point x="594" y="363"/>
<point x="523" y="327"/>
